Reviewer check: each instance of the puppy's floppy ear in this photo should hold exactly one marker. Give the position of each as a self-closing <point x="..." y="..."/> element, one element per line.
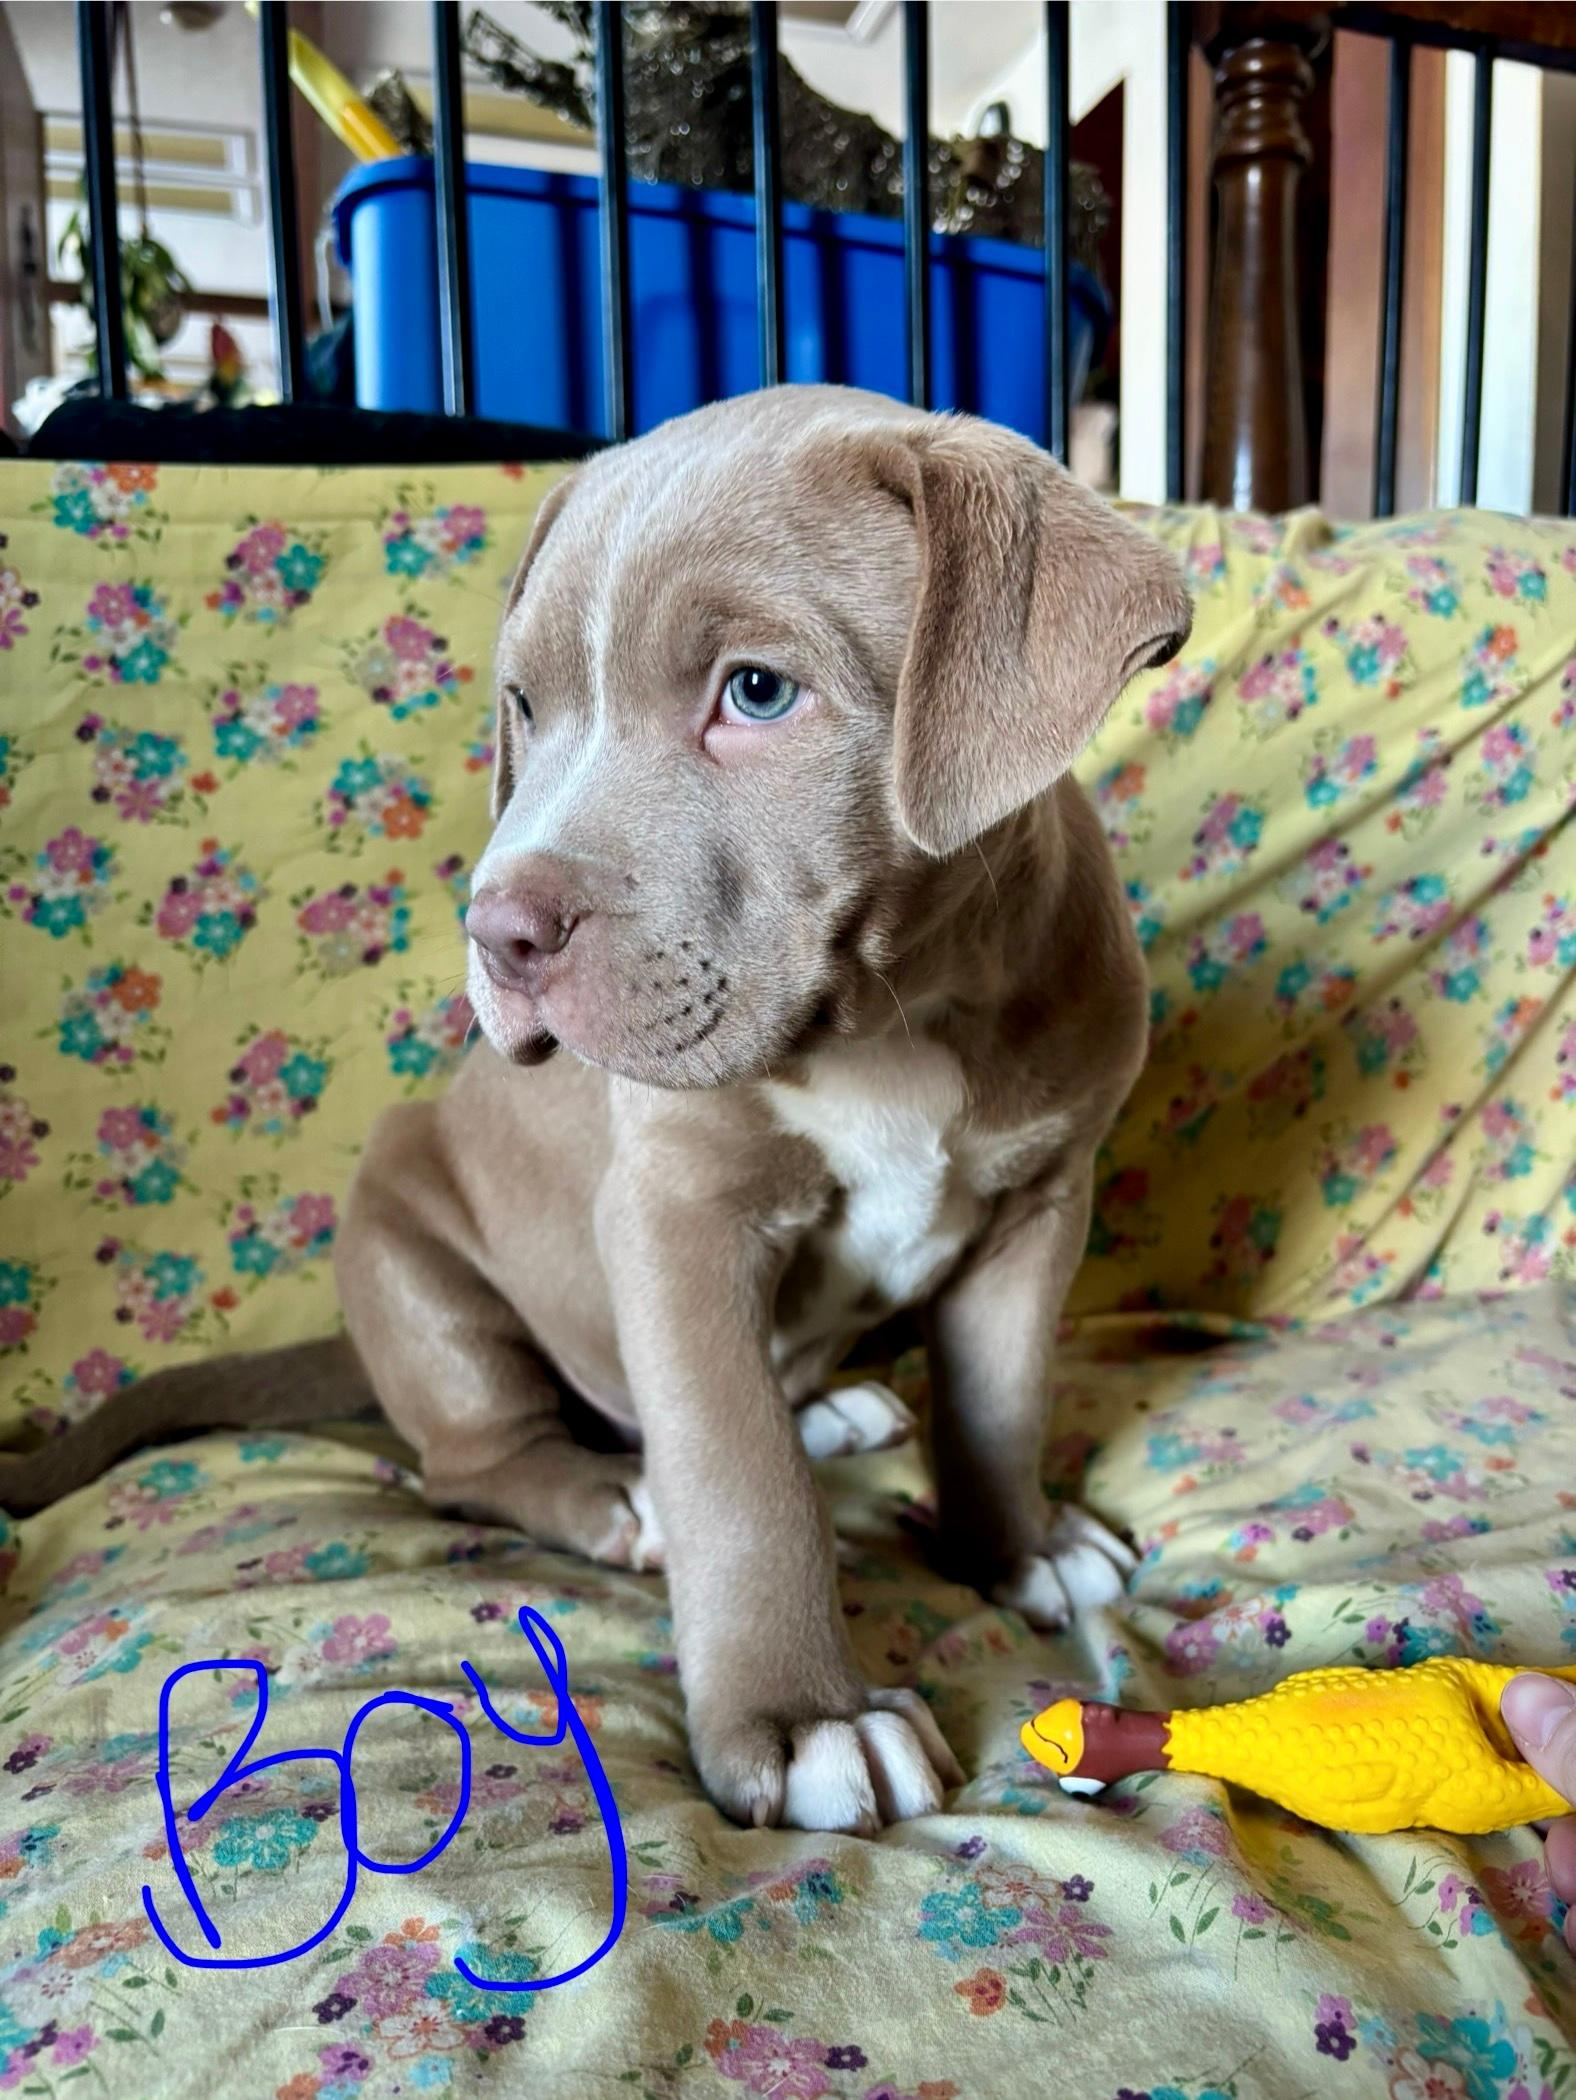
<point x="503" y="726"/>
<point x="1036" y="605"/>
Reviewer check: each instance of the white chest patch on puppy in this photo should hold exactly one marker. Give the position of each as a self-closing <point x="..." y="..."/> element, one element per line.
<point x="886" y="1117"/>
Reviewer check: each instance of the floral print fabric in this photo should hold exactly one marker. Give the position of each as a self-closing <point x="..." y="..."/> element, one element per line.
<point x="1342" y="817"/>
<point x="1389" y="1485"/>
<point x="244" y="747"/>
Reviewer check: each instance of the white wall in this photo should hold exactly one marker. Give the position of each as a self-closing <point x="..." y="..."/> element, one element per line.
<point x="1510" y="336"/>
<point x="974" y="44"/>
<point x="1107" y="44"/>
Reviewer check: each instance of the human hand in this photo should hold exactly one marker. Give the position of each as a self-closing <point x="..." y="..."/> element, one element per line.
<point x="1540" y="1713"/>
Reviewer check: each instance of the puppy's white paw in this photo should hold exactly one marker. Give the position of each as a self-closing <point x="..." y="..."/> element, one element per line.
<point x="880" y="1766"/>
<point x="634" y="1539"/>
<point x="650" y="1548"/>
<point x="1081" y="1565"/>
<point x="853" y="1419"/>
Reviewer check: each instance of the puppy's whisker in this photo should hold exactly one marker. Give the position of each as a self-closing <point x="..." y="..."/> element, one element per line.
<point x="990" y="873"/>
<point x="897" y="1002"/>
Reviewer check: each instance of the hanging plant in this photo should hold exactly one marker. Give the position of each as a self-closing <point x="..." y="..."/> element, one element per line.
<point x="153" y="289"/>
<point x="153" y="286"/>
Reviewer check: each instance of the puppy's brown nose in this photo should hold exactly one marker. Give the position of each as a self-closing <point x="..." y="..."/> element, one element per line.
<point x="516" y="930"/>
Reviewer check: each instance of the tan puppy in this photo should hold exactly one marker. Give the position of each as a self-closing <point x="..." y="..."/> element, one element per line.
<point x="787" y="857"/>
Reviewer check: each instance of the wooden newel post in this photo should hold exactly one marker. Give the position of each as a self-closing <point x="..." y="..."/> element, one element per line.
<point x="1256" y="421"/>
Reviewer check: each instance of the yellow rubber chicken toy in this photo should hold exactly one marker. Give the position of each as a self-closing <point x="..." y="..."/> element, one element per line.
<point x="1352" y="1749"/>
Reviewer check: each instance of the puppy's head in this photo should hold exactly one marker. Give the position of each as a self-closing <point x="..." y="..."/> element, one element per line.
<point x="757" y="671"/>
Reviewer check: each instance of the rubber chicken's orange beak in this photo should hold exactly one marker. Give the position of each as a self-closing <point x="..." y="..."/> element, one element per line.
<point x="1055" y="1737"/>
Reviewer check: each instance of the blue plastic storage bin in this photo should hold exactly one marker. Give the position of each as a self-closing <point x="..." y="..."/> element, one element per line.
<point x="536" y="300"/>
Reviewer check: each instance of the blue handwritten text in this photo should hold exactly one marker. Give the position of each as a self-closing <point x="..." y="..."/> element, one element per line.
<point x="549" y="1652"/>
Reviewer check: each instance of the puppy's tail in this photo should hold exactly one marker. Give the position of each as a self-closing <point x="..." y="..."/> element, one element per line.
<point x="271" y="1389"/>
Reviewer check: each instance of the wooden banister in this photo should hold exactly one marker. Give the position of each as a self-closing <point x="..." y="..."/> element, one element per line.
<point x="1256" y="453"/>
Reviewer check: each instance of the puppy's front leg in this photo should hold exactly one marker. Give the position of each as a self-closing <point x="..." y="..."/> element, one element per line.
<point x="992" y="1332"/>
<point x="782" y="1727"/>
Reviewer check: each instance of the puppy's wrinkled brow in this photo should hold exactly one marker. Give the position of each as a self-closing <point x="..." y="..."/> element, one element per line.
<point x="684" y="633"/>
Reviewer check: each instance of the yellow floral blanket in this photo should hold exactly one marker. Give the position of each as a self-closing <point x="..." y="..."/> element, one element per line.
<point x="244" y="735"/>
<point x="1378" y="1489"/>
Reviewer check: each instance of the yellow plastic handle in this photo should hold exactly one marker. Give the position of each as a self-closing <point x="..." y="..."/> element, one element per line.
<point x="337" y="103"/>
<point x="353" y="122"/>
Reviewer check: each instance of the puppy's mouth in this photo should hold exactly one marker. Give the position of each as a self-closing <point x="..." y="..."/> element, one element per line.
<point x="647" y="1016"/>
<point x="536" y="1049"/>
<point x="529" y="1044"/>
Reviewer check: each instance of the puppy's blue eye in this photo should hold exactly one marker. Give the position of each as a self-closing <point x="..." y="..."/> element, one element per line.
<point x="759" y="695"/>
